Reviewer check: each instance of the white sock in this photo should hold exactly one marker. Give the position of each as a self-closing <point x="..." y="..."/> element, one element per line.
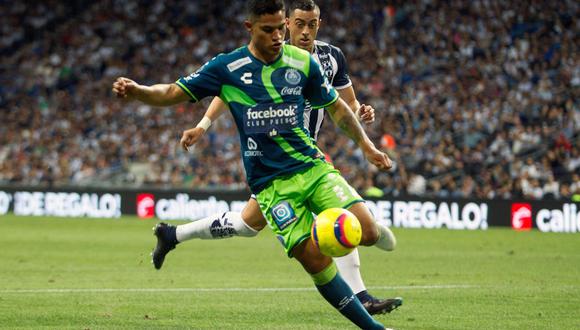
<point x="387" y="241"/>
<point x="349" y="268"/>
<point x="216" y="226"/>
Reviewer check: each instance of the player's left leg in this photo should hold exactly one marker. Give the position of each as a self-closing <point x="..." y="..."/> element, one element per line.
<point x="331" y="286"/>
<point x="284" y="205"/>
<point x="334" y="191"/>
<point x="349" y="268"/>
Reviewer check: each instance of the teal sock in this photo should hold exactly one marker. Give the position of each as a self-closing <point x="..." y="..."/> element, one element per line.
<point x="335" y="290"/>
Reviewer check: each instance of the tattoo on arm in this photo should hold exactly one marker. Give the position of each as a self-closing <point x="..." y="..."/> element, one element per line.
<point x="347" y="122"/>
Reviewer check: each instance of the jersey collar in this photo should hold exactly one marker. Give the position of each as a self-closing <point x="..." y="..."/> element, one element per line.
<point x="249" y="53"/>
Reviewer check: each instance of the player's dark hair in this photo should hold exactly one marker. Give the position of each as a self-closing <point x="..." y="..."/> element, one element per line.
<point x="257" y="8"/>
<point x="306" y="5"/>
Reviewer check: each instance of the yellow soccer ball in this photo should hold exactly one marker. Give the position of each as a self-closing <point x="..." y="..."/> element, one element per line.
<point x="336" y="232"/>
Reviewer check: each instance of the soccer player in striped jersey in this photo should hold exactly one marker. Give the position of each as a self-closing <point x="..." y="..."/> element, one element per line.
<point x="303" y="24"/>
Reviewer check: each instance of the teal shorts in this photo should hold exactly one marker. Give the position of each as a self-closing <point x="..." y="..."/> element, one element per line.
<point x="290" y="201"/>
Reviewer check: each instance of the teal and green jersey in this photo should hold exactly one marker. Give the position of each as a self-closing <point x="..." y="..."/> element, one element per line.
<point x="268" y="102"/>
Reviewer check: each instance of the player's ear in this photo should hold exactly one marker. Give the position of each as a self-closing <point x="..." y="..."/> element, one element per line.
<point x="248" y="25"/>
<point x="287" y="22"/>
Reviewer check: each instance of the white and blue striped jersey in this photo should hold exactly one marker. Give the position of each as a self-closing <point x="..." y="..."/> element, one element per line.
<point x="333" y="64"/>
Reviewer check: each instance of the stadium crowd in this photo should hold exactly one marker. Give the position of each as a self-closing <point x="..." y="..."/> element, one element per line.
<point x="474" y="99"/>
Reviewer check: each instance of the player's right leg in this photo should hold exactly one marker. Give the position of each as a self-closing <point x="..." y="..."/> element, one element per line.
<point x="331" y="285"/>
<point x="220" y="225"/>
<point x="373" y="233"/>
<point x="333" y="191"/>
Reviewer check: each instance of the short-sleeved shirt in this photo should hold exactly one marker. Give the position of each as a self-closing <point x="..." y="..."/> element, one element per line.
<point x="267" y="102"/>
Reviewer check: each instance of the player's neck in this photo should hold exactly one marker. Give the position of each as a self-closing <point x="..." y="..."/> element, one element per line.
<point x="265" y="58"/>
<point x="311" y="48"/>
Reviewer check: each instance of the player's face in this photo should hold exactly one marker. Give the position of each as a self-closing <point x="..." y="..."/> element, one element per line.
<point x="268" y="33"/>
<point x="303" y="27"/>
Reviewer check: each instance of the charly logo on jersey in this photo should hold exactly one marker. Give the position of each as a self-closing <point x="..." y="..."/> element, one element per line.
<point x="246" y="78"/>
<point x="252" y="149"/>
<point x="292" y="76"/>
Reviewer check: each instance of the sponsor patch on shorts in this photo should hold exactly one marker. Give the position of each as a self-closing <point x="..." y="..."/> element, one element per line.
<point x="283" y="214"/>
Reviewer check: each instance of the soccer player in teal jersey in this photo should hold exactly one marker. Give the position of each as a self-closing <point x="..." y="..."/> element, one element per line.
<point x="284" y="168"/>
<point x="303" y="24"/>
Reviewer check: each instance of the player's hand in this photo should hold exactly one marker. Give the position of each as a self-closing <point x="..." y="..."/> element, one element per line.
<point x="190" y="137"/>
<point x="366" y="114"/>
<point x="378" y="158"/>
<point x="124" y="88"/>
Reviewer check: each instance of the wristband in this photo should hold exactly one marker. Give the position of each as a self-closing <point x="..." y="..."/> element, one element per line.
<point x="204" y="123"/>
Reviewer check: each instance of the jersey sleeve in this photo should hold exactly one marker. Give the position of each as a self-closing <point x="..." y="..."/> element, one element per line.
<point x="206" y="81"/>
<point x="341" y="79"/>
<point x="319" y="92"/>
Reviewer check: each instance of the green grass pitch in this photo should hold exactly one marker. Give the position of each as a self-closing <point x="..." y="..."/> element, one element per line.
<point x="96" y="274"/>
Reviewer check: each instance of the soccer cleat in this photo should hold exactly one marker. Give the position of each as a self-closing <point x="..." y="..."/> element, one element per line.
<point x="382" y="306"/>
<point x="166" y="241"/>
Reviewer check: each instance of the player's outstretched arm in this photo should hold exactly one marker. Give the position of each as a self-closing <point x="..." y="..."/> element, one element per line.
<point x="192" y="135"/>
<point x="345" y="119"/>
<point x="365" y="113"/>
<point x="156" y="95"/>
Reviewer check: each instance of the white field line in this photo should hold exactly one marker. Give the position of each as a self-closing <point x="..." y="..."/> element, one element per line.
<point x="165" y="290"/>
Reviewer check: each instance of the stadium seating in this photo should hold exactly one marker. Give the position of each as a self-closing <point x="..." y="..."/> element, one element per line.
<point x="480" y="98"/>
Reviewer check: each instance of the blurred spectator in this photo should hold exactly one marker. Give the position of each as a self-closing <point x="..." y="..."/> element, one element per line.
<point x="474" y="98"/>
<point x="551" y="188"/>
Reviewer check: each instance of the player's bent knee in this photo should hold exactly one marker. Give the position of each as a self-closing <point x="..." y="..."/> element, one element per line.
<point x="256" y="224"/>
<point x="370" y="235"/>
<point x="370" y="231"/>
<point x="253" y="216"/>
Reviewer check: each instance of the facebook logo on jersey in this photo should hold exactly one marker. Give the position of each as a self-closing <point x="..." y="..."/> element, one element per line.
<point x="283" y="214"/>
<point x="266" y="118"/>
<point x="272" y="113"/>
